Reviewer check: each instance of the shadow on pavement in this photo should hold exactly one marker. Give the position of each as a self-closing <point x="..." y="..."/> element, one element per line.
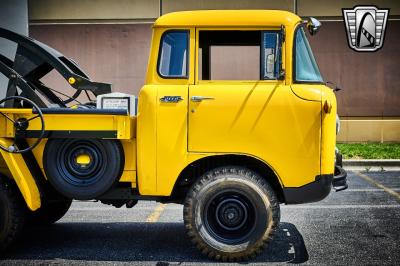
<point x="161" y="242"/>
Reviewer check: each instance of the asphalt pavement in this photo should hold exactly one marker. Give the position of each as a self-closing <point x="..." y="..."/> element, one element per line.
<point x="358" y="226"/>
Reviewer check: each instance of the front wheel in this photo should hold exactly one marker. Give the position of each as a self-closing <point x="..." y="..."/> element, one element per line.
<point x="12" y="213"/>
<point x="231" y="213"/>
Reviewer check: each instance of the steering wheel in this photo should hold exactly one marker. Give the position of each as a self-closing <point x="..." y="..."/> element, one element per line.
<point x="21" y="124"/>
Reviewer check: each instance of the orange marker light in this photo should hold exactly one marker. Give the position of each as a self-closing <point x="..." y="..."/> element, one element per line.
<point x="327" y="107"/>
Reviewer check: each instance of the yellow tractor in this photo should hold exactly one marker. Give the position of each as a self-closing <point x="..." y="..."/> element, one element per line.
<point x="230" y="151"/>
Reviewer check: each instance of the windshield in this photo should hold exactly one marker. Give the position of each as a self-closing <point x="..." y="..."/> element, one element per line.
<point x="306" y="69"/>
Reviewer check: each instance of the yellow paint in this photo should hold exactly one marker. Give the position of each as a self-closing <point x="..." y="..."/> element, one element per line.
<point x="328" y="134"/>
<point x="71" y="80"/>
<point x="22" y="176"/>
<point x="231" y="18"/>
<point x="155" y="215"/>
<point x="83" y="159"/>
<point x="379" y="185"/>
<point x="277" y="122"/>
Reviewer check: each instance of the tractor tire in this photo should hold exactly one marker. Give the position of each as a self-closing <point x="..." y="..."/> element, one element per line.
<point x="83" y="181"/>
<point x="12" y="213"/>
<point x="231" y="213"/>
<point x="49" y="213"/>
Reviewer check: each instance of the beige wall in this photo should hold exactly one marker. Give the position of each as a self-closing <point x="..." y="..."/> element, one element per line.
<point x="61" y="10"/>
<point x="369" y="130"/>
<point x="334" y="7"/>
<point x="92" y="9"/>
<point x="178" y="5"/>
<point x="115" y="54"/>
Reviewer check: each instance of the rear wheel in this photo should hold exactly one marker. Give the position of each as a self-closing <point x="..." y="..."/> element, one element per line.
<point x="83" y="169"/>
<point x="231" y="214"/>
<point x="49" y="212"/>
<point x="12" y="213"/>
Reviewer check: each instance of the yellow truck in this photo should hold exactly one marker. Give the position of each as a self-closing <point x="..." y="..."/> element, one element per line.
<point x="230" y="150"/>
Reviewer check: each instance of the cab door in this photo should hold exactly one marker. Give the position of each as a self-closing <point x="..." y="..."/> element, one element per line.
<point x="224" y="115"/>
<point x="174" y="70"/>
<point x="232" y="88"/>
<point x="259" y="117"/>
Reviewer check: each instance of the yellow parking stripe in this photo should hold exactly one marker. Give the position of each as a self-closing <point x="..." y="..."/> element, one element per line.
<point x="155" y="215"/>
<point x="379" y="185"/>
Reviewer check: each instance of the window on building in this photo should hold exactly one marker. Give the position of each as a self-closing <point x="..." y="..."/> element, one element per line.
<point x="173" y="57"/>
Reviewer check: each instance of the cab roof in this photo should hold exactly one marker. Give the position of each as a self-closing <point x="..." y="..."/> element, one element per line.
<point x="216" y="18"/>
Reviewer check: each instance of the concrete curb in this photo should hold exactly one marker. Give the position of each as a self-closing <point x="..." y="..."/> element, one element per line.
<point x="372" y="164"/>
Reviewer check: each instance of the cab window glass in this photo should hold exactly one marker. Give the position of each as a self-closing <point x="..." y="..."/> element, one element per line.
<point x="238" y="55"/>
<point x="306" y="66"/>
<point x="271" y="55"/>
<point x="173" y="56"/>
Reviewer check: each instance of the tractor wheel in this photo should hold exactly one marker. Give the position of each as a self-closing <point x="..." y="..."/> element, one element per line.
<point x="83" y="169"/>
<point x="12" y="213"/>
<point x="49" y="213"/>
<point x="231" y="213"/>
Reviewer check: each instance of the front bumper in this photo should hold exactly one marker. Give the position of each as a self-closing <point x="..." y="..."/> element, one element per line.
<point x="339" y="181"/>
<point x="320" y="188"/>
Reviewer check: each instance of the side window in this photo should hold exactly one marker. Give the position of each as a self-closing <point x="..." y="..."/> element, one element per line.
<point x="239" y="55"/>
<point x="270" y="55"/>
<point x="173" y="54"/>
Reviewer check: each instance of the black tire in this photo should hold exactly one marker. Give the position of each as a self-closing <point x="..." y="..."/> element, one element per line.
<point x="83" y="182"/>
<point x="49" y="213"/>
<point x="231" y="213"/>
<point x="12" y="213"/>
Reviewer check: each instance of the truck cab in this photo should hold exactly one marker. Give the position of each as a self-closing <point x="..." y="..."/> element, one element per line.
<point x="233" y="120"/>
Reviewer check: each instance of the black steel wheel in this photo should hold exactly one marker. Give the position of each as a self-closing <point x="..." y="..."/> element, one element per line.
<point x="49" y="213"/>
<point x="231" y="213"/>
<point x="83" y="168"/>
<point x="12" y="213"/>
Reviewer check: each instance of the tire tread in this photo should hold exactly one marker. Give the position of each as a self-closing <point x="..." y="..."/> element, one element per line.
<point x="243" y="173"/>
<point x="17" y="210"/>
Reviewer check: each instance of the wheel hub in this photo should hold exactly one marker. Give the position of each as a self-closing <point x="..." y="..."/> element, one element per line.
<point x="82" y="162"/>
<point x="231" y="214"/>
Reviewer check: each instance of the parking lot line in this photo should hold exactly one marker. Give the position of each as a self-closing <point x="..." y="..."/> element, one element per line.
<point x="369" y="189"/>
<point x="336" y="206"/>
<point x="379" y="185"/>
<point x="155" y="215"/>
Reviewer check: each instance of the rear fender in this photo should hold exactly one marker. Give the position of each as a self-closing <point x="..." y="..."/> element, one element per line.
<point x="22" y="176"/>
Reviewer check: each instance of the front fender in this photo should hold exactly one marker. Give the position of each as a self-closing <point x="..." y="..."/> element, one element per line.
<point x="22" y="176"/>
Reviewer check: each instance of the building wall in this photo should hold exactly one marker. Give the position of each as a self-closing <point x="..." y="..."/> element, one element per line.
<point x="13" y="16"/>
<point x="111" y="41"/>
<point x="115" y="54"/>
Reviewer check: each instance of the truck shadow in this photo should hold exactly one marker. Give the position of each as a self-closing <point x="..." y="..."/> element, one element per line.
<point x="158" y="242"/>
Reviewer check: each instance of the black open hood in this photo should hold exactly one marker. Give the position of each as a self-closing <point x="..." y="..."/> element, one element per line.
<point x="34" y="60"/>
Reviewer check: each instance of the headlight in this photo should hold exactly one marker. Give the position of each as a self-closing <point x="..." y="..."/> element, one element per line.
<point x="337" y="124"/>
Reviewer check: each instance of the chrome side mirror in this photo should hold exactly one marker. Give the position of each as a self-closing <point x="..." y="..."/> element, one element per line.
<point x="313" y="25"/>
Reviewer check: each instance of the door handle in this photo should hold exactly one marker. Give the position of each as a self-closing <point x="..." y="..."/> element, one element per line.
<point x="200" y="98"/>
<point x="171" y="99"/>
